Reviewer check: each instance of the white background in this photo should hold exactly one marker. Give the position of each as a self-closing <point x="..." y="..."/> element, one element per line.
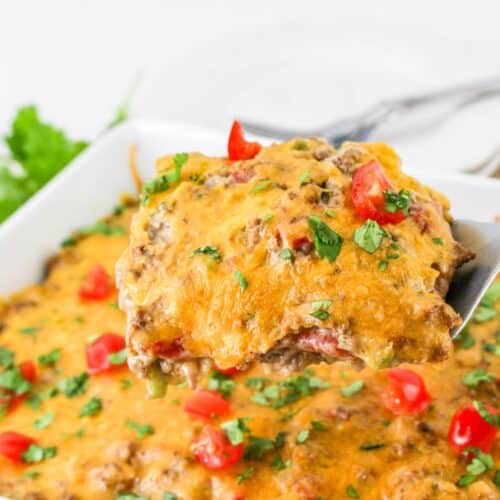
<point x="293" y="63"/>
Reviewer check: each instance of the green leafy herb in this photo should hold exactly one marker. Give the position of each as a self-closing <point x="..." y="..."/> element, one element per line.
<point x="256" y="382"/>
<point x="496" y="478"/>
<point x="464" y="340"/>
<point x="330" y="213"/>
<point x="261" y="186"/>
<point x="369" y="236"/>
<point x="241" y="280"/>
<point x="235" y="430"/>
<point x="493" y="419"/>
<point x="50" y="358"/>
<point x="101" y="227"/>
<point x="36" y="453"/>
<point x="474" y="377"/>
<point x="286" y="254"/>
<point x="318" y="426"/>
<point x="305" y="178"/>
<point x="44" y="421"/>
<point x="142" y="430"/>
<point x="352" y="389"/>
<point x="92" y="407"/>
<point x="300" y="146"/>
<point x="118" y="358"/>
<point x="288" y="391"/>
<point x="130" y="496"/>
<point x="209" y="250"/>
<point x="372" y="446"/>
<point x="480" y="463"/>
<point x="487" y="310"/>
<point x="320" y="309"/>
<point x="74" y="386"/>
<point x="257" y="446"/>
<point x="268" y="217"/>
<point x="245" y="475"/>
<point x="6" y="356"/>
<point x="277" y="463"/>
<point x="437" y="241"/>
<point x="31" y="474"/>
<point x="13" y="380"/>
<point x="397" y="201"/>
<point x="326" y="241"/>
<point x="38" y="151"/>
<point x="302" y="436"/>
<point x="351" y="491"/>
<point x="382" y="265"/>
<point x="167" y="495"/>
<point x="29" y="330"/>
<point x="221" y="383"/>
<point x="492" y="348"/>
<point x="126" y="383"/>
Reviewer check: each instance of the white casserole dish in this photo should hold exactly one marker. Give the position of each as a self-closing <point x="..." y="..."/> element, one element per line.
<point x="90" y="187"/>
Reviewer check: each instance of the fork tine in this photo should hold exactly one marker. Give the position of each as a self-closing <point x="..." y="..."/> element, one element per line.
<point x="273" y="132"/>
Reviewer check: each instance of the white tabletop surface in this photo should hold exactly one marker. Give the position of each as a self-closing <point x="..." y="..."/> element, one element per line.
<point x="293" y="63"/>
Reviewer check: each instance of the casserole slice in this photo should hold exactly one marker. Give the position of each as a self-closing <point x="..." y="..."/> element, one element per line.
<point x="298" y="253"/>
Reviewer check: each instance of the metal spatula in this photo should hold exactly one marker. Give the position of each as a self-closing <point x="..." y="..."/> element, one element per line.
<point x="472" y="280"/>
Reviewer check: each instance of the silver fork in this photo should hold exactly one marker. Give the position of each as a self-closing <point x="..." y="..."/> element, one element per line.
<point x="473" y="279"/>
<point x="360" y="127"/>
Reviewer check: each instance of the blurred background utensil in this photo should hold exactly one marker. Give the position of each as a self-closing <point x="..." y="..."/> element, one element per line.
<point x="408" y="114"/>
<point x="473" y="279"/>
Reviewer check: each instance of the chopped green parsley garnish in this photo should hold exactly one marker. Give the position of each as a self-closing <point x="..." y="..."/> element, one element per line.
<point x="492" y="349"/>
<point x="286" y="254"/>
<point x="29" y="330"/>
<point x="50" y="358"/>
<point x="268" y="217"/>
<point x="31" y="474"/>
<point x="118" y="358"/>
<point x="130" y="496"/>
<point x="163" y="182"/>
<point x="464" y="340"/>
<point x="487" y="310"/>
<point x="474" y="377"/>
<point x="305" y="178"/>
<point x="397" y="201"/>
<point x="245" y="475"/>
<point x="288" y="391"/>
<point x="351" y="491"/>
<point x="142" y="430"/>
<point x="493" y="419"/>
<point x="36" y="453"/>
<point x="126" y="383"/>
<point x="326" y="241"/>
<point x="221" y="383"/>
<point x="318" y="426"/>
<point x="320" y="309"/>
<point x="352" y="389"/>
<point x="382" y="265"/>
<point x="168" y="495"/>
<point x="6" y="356"/>
<point x="208" y="250"/>
<point x="13" y="380"/>
<point x="277" y="463"/>
<point x="372" y="446"/>
<point x="257" y="446"/>
<point x="74" y="386"/>
<point x="241" y="280"/>
<point x="44" y="420"/>
<point x="480" y="463"/>
<point x="437" y="241"/>
<point x="92" y="407"/>
<point x="101" y="227"/>
<point x="369" y="236"/>
<point x="329" y="213"/>
<point x="235" y="430"/>
<point x="261" y="186"/>
<point x="300" y="146"/>
<point x="302" y="436"/>
<point x="256" y="382"/>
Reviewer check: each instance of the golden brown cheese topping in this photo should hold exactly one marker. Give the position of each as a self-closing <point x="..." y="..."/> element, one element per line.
<point x="328" y="432"/>
<point x="278" y="258"/>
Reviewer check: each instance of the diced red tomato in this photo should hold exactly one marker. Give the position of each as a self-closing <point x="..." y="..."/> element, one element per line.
<point x="207" y="404"/>
<point x="238" y="148"/>
<point x="13" y="445"/>
<point x="97" y="285"/>
<point x="368" y="186"/>
<point x="303" y="244"/>
<point x="233" y="370"/>
<point x="168" y="350"/>
<point x="468" y="428"/>
<point x="213" y="449"/>
<point x="98" y="352"/>
<point x="406" y="393"/>
<point x="27" y="369"/>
